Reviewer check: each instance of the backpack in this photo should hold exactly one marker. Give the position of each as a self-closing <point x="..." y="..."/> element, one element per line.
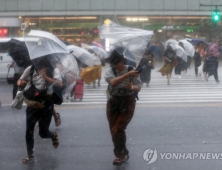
<point x="110" y="88"/>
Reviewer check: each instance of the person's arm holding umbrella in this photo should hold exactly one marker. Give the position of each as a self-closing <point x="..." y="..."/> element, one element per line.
<point x="50" y="80"/>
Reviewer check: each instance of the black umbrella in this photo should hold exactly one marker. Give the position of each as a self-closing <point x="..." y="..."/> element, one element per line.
<point x="19" y="53"/>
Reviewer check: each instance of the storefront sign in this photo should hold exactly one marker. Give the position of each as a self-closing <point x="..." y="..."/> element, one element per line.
<point x="10" y="22"/>
<point x="172" y="27"/>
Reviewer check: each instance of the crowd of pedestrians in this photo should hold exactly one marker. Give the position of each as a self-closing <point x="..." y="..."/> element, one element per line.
<point x="124" y="82"/>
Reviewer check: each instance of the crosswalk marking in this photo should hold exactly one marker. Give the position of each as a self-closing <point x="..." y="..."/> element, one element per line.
<point x="185" y="90"/>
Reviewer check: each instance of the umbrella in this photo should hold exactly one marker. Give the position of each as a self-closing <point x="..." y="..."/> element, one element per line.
<point x="195" y="41"/>
<point x="94" y="43"/>
<point x="99" y="51"/>
<point x="170" y="41"/>
<point x="52" y="54"/>
<point x="82" y="55"/>
<point x="180" y="52"/>
<point x="132" y="40"/>
<point x="188" y="48"/>
<point x="19" y="53"/>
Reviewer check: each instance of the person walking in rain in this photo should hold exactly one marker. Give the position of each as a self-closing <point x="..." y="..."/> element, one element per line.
<point x="18" y="72"/>
<point x="212" y="60"/>
<point x="169" y="57"/>
<point x="180" y="64"/>
<point x="91" y="74"/>
<point x="43" y="113"/>
<point x="203" y="67"/>
<point x="148" y="63"/>
<point x="197" y="58"/>
<point x="124" y="82"/>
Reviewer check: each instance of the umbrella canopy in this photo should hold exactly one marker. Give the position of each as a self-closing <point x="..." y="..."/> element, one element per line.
<point x="195" y="41"/>
<point x="82" y="55"/>
<point x="94" y="43"/>
<point x="188" y="47"/>
<point x="180" y="52"/>
<point x="51" y="54"/>
<point x="99" y="51"/>
<point x="132" y="40"/>
<point x="170" y="41"/>
<point x="47" y="44"/>
<point x="19" y="53"/>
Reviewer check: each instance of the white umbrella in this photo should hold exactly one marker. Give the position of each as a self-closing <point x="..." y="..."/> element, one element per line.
<point x="52" y="54"/>
<point x="188" y="47"/>
<point x="83" y="55"/>
<point x="180" y="52"/>
<point x="99" y="51"/>
<point x="170" y="41"/>
<point x="47" y="44"/>
<point x="127" y="38"/>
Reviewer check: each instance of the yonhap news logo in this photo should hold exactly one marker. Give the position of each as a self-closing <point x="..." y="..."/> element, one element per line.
<point x="151" y="155"/>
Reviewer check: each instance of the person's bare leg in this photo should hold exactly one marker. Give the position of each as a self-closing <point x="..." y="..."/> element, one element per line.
<point x="56" y="118"/>
<point x="205" y="76"/>
<point x="99" y="82"/>
<point x="168" y="78"/>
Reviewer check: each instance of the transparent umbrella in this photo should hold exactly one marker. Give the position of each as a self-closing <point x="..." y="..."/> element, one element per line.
<point x="99" y="51"/>
<point x="132" y="40"/>
<point x="180" y="52"/>
<point x="50" y="53"/>
<point x="170" y="41"/>
<point x="82" y="55"/>
<point x="188" y="47"/>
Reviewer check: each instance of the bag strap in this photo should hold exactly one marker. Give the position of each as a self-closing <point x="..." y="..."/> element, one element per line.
<point x="31" y="73"/>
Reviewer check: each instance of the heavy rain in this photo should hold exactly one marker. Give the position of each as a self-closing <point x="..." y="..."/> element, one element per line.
<point x="110" y="84"/>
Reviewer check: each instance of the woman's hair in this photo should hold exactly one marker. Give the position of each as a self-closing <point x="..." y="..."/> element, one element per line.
<point x="43" y="62"/>
<point x="116" y="56"/>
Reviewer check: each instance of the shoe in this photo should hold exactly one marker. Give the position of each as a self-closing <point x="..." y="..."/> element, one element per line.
<point x="218" y="82"/>
<point x="55" y="140"/>
<point x="168" y="82"/>
<point x="98" y="84"/>
<point x="28" y="159"/>
<point x="118" y="161"/>
<point x="57" y="119"/>
<point x="196" y="75"/>
<point x="147" y="85"/>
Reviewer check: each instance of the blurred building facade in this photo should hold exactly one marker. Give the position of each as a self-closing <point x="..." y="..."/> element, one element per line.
<point x="77" y="20"/>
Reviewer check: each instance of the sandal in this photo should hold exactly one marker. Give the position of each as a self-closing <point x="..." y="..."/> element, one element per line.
<point x="118" y="161"/>
<point x="57" y="119"/>
<point x="55" y="140"/>
<point x="28" y="159"/>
